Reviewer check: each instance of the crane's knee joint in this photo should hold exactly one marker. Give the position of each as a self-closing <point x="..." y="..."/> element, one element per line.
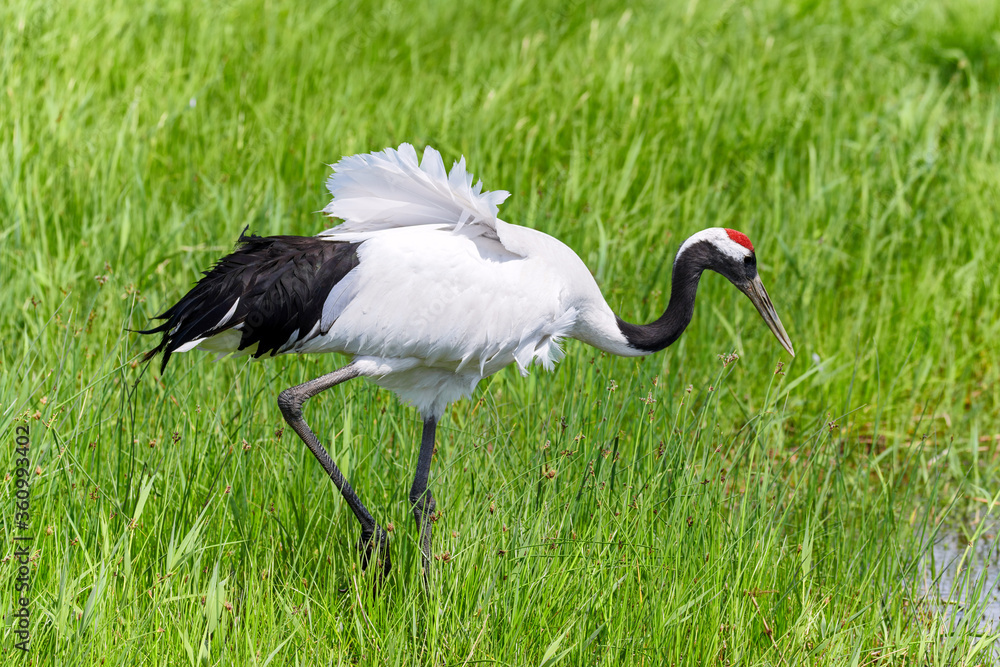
<point x="289" y="403"/>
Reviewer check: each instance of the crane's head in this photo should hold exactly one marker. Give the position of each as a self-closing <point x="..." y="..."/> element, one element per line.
<point x="730" y="253"/>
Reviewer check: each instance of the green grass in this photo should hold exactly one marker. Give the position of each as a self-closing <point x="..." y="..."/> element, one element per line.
<point x="620" y="512"/>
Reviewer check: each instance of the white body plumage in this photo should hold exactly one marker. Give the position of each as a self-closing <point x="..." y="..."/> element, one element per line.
<point x="444" y="293"/>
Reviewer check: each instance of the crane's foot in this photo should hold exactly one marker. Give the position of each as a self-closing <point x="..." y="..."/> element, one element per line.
<point x="374" y="549"/>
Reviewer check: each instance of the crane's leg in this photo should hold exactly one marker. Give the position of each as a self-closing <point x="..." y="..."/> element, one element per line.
<point x="420" y="496"/>
<point x="374" y="543"/>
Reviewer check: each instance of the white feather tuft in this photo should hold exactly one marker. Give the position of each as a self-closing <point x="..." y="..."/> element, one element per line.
<point x="376" y="191"/>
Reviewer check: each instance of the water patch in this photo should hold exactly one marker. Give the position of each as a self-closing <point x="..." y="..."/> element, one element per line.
<point x="960" y="575"/>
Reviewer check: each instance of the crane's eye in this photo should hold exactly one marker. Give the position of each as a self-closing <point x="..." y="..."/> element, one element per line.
<point x="749" y="260"/>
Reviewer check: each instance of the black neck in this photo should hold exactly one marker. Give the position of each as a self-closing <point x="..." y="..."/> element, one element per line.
<point x="664" y="331"/>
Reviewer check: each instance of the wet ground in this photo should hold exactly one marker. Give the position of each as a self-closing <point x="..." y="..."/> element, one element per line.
<point x="955" y="568"/>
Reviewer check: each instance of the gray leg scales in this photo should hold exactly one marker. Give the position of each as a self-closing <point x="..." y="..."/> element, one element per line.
<point x="420" y="496"/>
<point x="374" y="543"/>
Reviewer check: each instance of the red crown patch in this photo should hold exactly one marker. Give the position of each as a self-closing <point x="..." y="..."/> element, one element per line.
<point x="740" y="238"/>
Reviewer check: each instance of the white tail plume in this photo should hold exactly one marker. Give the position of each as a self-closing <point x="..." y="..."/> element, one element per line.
<point x="388" y="189"/>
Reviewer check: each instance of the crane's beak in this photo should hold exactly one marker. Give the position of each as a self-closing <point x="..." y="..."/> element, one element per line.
<point x="758" y="295"/>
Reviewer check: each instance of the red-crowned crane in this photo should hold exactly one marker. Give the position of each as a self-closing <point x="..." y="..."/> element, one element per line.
<point x="429" y="292"/>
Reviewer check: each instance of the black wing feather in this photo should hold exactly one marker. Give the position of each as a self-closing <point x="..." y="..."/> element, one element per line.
<point x="281" y="282"/>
